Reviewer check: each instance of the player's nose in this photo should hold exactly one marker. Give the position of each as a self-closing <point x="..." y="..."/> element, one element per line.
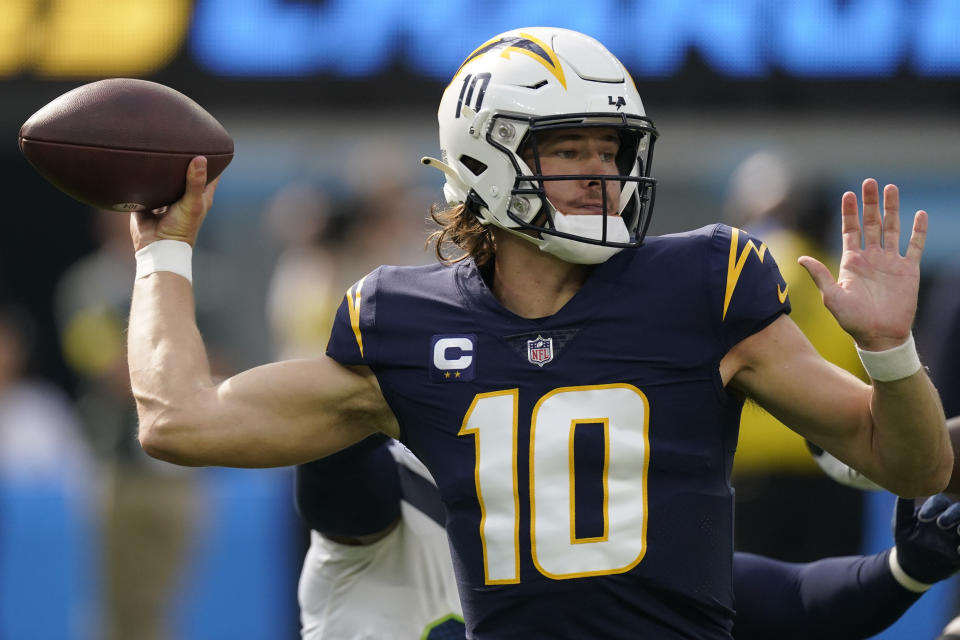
<point x="597" y="164"/>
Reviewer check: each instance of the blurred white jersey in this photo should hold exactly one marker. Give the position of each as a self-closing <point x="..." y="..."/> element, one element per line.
<point x="401" y="587"/>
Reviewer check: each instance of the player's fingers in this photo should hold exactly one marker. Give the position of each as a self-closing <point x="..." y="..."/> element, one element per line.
<point x="918" y="237"/>
<point x="820" y="274"/>
<point x="850" y="221"/>
<point x="872" y="220"/>
<point x="196" y="176"/>
<point x="192" y="203"/>
<point x="933" y="507"/>
<point x="903" y="514"/>
<point x="950" y="517"/>
<point x="891" y="218"/>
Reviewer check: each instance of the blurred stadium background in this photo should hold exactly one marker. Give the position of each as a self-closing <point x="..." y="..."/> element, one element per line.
<point x="331" y="104"/>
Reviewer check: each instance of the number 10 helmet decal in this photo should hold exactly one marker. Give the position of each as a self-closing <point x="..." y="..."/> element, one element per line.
<point x="506" y="95"/>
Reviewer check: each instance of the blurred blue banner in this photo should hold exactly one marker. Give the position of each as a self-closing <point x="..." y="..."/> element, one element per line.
<point x="736" y="38"/>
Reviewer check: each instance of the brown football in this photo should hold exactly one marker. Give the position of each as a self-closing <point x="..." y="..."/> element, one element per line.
<point x="123" y="144"/>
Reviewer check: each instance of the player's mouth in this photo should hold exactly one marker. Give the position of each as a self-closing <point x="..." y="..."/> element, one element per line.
<point x="589" y="209"/>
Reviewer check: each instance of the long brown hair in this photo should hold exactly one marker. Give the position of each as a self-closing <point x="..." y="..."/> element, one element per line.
<point x="462" y="229"/>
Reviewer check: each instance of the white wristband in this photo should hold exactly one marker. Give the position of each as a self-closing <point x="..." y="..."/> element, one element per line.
<point x="901" y="576"/>
<point x="165" y="255"/>
<point x="891" y="364"/>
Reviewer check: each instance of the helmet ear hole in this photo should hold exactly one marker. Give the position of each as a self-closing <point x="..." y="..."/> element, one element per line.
<point x="475" y="166"/>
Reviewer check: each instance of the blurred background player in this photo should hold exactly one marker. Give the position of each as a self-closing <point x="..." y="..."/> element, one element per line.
<point x="788" y="204"/>
<point x="379" y="561"/>
<point x="149" y="509"/>
<point x="938" y="332"/>
<point x="325" y="240"/>
<point x="40" y="435"/>
<point x="46" y="498"/>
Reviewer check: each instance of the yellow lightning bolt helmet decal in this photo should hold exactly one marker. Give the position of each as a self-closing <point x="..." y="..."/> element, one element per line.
<point x="525" y="44"/>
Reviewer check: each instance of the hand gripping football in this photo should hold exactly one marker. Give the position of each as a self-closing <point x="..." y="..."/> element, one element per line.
<point x="123" y="144"/>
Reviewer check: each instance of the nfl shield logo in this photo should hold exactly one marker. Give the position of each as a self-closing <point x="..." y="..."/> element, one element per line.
<point x="540" y="350"/>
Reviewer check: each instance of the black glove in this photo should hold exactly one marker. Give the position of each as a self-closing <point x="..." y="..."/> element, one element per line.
<point x="928" y="539"/>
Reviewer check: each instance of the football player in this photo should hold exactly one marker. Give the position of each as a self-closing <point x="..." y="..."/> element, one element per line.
<point x="574" y="387"/>
<point x="379" y="567"/>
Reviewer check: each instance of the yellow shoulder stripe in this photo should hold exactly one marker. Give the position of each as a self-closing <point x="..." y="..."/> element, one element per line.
<point x="353" y="305"/>
<point x="736" y="262"/>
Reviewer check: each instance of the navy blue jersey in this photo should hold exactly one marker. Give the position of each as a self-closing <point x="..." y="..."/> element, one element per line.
<point x="583" y="459"/>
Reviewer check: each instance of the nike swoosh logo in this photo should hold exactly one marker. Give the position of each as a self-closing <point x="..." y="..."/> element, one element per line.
<point x="782" y="295"/>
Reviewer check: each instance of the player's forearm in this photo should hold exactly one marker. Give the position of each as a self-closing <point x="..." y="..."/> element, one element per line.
<point x="953" y="429"/>
<point x="274" y="415"/>
<point x="892" y="432"/>
<point x="166" y="357"/>
<point x="913" y="454"/>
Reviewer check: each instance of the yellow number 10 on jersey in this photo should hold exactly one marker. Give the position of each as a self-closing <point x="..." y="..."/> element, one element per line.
<point x="623" y="411"/>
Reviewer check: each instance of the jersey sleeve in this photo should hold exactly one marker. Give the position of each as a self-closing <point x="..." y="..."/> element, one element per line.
<point x="847" y="597"/>
<point x="354" y="492"/>
<point x="353" y="339"/>
<point x="750" y="291"/>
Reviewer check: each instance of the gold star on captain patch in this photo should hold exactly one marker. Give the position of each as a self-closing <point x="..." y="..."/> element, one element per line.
<point x="446" y="375"/>
<point x="456" y="375"/>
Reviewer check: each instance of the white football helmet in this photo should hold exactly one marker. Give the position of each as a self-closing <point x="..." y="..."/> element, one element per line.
<point x="512" y="88"/>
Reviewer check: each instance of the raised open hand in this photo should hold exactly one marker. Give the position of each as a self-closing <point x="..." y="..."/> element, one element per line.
<point x="875" y="295"/>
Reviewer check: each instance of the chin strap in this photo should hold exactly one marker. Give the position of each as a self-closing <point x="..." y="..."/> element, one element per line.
<point x="586" y="226"/>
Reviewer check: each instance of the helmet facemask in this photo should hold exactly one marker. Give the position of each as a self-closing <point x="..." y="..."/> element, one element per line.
<point x="509" y="93"/>
<point x="531" y="210"/>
